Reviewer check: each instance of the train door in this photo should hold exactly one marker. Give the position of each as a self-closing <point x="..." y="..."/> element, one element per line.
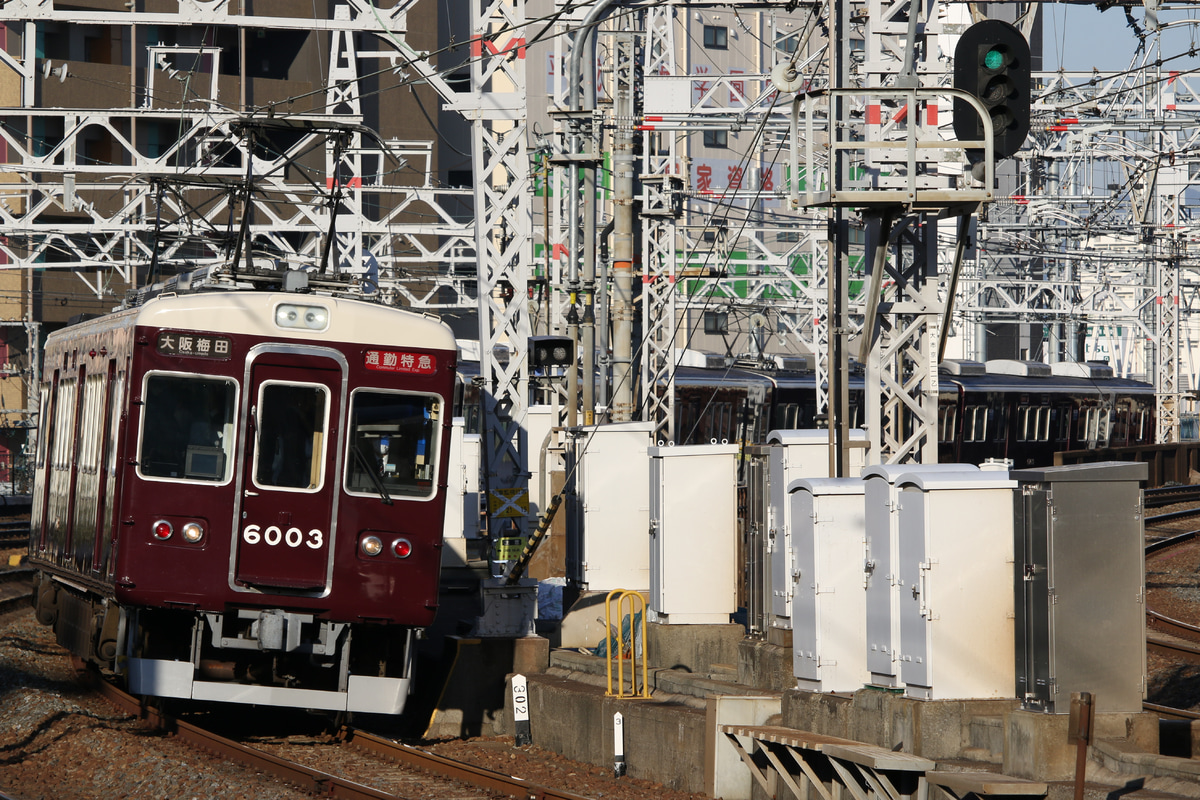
<point x="289" y="471"/>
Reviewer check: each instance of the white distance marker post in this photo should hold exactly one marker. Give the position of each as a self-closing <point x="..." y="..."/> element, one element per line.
<point x="520" y="701"/>
<point x="618" y="745"/>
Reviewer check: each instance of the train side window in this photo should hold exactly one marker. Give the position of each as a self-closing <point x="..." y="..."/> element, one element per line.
<point x="787" y="416"/>
<point x="855" y="416"/>
<point x="1026" y="423"/>
<point x="999" y="422"/>
<point x="1103" y="427"/>
<point x="947" y="423"/>
<point x="686" y="429"/>
<point x="975" y="424"/>
<point x="1062" y="423"/>
<point x="393" y="443"/>
<point x="64" y="428"/>
<point x="187" y="427"/>
<point x="724" y="429"/>
<point x="1119" y="434"/>
<point x="92" y="424"/>
<point x="1094" y="427"/>
<point x="1033" y="424"/>
<point x="43" y="438"/>
<point x="1143" y="419"/>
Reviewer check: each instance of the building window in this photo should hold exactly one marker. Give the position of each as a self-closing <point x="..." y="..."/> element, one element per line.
<point x="716" y="139"/>
<point x="716" y="37"/>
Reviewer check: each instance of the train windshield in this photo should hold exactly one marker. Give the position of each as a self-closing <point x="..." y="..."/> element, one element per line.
<point x="290" y="449"/>
<point x="187" y="427"/>
<point x="393" y="438"/>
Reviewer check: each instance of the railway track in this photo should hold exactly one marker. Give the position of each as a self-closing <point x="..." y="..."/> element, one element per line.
<point x="1167" y="495"/>
<point x="421" y="769"/>
<point x="14" y="533"/>
<point x="1175" y="639"/>
<point x="16" y="590"/>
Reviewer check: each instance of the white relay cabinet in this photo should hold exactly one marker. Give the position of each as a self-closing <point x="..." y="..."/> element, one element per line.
<point x="609" y="511"/>
<point x="829" y="634"/>
<point x="955" y="585"/>
<point x="795" y="454"/>
<point x="882" y="564"/>
<point x="693" y="534"/>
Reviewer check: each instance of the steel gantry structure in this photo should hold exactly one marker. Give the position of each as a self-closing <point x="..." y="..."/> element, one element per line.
<point x="824" y="231"/>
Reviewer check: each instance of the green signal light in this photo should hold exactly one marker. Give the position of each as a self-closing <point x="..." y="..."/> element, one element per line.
<point x="994" y="59"/>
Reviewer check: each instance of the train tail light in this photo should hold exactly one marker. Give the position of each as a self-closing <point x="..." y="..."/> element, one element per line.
<point x="371" y="545"/>
<point x="193" y="532"/>
<point x="163" y="530"/>
<point x="402" y="548"/>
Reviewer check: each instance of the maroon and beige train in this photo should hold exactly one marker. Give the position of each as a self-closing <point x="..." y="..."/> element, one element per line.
<point x="239" y="496"/>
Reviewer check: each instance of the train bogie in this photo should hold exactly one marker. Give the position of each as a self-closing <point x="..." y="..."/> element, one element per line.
<point x="249" y="488"/>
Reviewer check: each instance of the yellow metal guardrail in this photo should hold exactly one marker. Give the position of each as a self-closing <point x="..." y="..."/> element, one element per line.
<point x="617" y="645"/>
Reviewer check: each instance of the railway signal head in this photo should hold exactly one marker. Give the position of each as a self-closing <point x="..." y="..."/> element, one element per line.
<point x="551" y="351"/>
<point x="991" y="61"/>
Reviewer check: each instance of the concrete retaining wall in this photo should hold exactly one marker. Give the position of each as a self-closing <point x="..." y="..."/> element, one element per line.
<point x="664" y="741"/>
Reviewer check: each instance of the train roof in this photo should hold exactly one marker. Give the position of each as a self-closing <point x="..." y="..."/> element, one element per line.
<point x="349" y="321"/>
<point x="729" y="376"/>
<point x="1055" y="384"/>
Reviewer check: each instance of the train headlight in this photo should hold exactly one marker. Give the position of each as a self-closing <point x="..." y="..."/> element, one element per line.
<point x="163" y="530"/>
<point x="402" y="548"/>
<point x="292" y="315"/>
<point x="371" y="545"/>
<point x="193" y="532"/>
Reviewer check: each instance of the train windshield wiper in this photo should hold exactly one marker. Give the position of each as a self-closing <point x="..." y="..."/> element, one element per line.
<point x="366" y="465"/>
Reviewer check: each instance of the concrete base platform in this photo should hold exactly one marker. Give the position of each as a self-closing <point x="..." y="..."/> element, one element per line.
<point x="698" y="649"/>
<point x="473" y="698"/>
<point x="1027" y="744"/>
<point x="671" y="738"/>
<point x="1036" y="744"/>
<point x="936" y="729"/>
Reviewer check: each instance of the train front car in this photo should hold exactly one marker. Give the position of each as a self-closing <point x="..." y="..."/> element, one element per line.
<point x="253" y="510"/>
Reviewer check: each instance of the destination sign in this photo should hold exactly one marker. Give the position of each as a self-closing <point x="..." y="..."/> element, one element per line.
<point x="199" y="345"/>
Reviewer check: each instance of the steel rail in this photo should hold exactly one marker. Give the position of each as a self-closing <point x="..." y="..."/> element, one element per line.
<point x="306" y="778"/>
<point x="465" y="773"/>
<point x="1173" y="515"/>
<point x="317" y="781"/>
<point x="1154" y="548"/>
<point x="1174" y="627"/>
<point x="16" y="591"/>
<point x="1168" y="647"/>
<point x="1165" y="495"/>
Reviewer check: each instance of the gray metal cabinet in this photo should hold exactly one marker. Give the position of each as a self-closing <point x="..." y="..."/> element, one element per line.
<point x="1080" y="582"/>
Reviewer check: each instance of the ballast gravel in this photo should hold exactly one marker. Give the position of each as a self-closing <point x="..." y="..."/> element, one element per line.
<point x="59" y="741"/>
